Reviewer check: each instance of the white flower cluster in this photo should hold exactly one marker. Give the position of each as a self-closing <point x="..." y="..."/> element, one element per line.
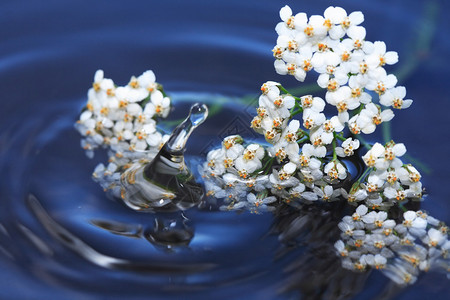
<point x="351" y="69"/>
<point x="228" y="173"/>
<point x="389" y="180"/>
<point x="295" y="166"/>
<point x="123" y="119"/>
<point x="306" y="156"/>
<point x="417" y="242"/>
<point x="302" y="161"/>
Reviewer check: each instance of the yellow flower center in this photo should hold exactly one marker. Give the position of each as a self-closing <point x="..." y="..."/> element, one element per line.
<point x="290" y="22"/>
<point x="309" y="30"/>
<point x="397" y="103"/>
<point x="291" y="68"/>
<point x="277" y="53"/>
<point x="307" y="101"/>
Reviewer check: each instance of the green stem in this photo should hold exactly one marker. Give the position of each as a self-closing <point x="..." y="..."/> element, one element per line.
<point x="363" y="175"/>
<point x="304" y="133"/>
<point x="268" y="165"/>
<point x="334" y="150"/>
<point x="339" y="137"/>
<point x="296" y="111"/>
<point x="359" y="110"/>
<point x="283" y="89"/>
<point x="301" y="141"/>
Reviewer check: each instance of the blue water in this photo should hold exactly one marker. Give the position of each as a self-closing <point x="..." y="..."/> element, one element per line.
<point x="62" y="238"/>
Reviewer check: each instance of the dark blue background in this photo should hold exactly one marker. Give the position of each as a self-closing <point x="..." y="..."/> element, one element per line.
<point x="49" y="51"/>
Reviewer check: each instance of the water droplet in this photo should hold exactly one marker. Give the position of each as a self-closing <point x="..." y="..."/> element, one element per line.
<point x="166" y="183"/>
<point x="180" y="135"/>
<point x="199" y="113"/>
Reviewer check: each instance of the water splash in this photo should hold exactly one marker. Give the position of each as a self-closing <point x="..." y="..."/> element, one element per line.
<point x="165" y="183"/>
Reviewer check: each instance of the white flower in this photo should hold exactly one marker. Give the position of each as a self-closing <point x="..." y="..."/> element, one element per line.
<point x="379" y="57"/>
<point x="392" y="152"/>
<point x="360" y="212"/>
<point x="260" y="202"/>
<point x="250" y="160"/>
<point x="284" y="68"/>
<point x="395" y="97"/>
<point x="132" y="92"/>
<point x="343" y="100"/>
<point x="212" y="189"/>
<point x="377" y="261"/>
<point x="335" y="170"/>
<point x="357" y="35"/>
<point x="99" y="171"/>
<point x="355" y="195"/>
<point x="312" y="118"/>
<point x="340" y="247"/>
<point x="334" y="15"/>
<point x="303" y="58"/>
<point x="347" y="148"/>
<point x="313" y="103"/>
<point x="282" y="105"/>
<point x="282" y="179"/>
<point x="361" y="264"/>
<point x="296" y="191"/>
<point x="232" y="144"/>
<point x="374" y="182"/>
<point x="415" y="224"/>
<point x="347" y="226"/>
<point x="373" y="154"/>
<point x="375" y="242"/>
<point x="315" y="27"/>
<point x="324" y="133"/>
<point x="214" y="162"/>
<point x="345" y="22"/>
<point x="327" y="193"/>
<point x="323" y="56"/>
<point x="160" y="104"/>
<point x="345" y="51"/>
<point x="319" y="137"/>
<point x="371" y="116"/>
<point x="331" y="84"/>
<point x="400" y="273"/>
<point x="374" y="219"/>
<point x="309" y="151"/>
<point x="380" y="82"/>
<point x="287" y="146"/>
<point x="408" y="175"/>
<point x="270" y="89"/>
<point x="289" y="21"/>
<point x="103" y="87"/>
<point x="147" y="81"/>
<point x="357" y="84"/>
<point x="353" y="126"/>
<point x="434" y="238"/>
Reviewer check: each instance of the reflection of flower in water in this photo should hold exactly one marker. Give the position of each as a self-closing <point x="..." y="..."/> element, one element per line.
<point x="306" y="234"/>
